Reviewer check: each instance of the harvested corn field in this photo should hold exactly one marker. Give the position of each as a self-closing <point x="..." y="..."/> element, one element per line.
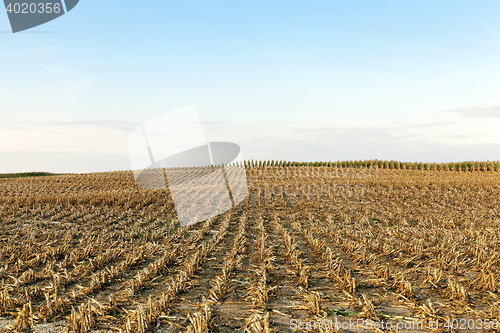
<point x="319" y="247"/>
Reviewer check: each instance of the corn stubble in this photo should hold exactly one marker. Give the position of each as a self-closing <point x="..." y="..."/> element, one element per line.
<point x="327" y="241"/>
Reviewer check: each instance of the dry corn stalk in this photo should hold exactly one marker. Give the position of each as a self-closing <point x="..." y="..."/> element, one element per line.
<point x="369" y="309"/>
<point x="257" y="323"/>
<point x="24" y="320"/>
<point x="200" y="321"/>
<point x="5" y="301"/>
<point x="455" y="291"/>
<point x="313" y="302"/>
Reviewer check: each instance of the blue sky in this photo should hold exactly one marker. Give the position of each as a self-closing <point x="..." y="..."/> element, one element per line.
<point x="293" y="80"/>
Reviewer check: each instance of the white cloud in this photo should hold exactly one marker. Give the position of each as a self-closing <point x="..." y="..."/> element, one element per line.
<point x="99" y="145"/>
<point x="49" y="161"/>
<point x="479" y="111"/>
<point x="121" y="125"/>
<point x="353" y="143"/>
<point x="96" y="137"/>
<point x="438" y="139"/>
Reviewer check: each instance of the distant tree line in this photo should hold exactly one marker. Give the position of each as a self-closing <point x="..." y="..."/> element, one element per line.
<point x="453" y="166"/>
<point x="26" y="174"/>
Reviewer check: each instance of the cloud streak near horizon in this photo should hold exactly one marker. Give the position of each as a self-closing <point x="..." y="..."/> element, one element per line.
<point x="441" y="138"/>
<point x="105" y="149"/>
<point x="479" y="111"/>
